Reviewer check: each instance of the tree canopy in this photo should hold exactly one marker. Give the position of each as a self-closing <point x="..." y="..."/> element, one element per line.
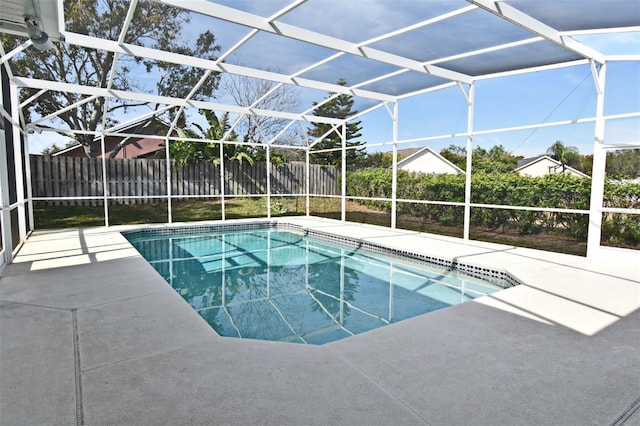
<point x="382" y="160"/>
<point x="154" y="25"/>
<point x="566" y="155"/>
<point x="339" y="106"/>
<point x="263" y="94"/>
<point x="623" y="164"/>
<point x="188" y="151"/>
<point x="495" y="160"/>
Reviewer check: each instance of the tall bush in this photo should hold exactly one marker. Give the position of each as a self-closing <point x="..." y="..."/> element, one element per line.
<point x="619" y="229"/>
<point x="553" y="191"/>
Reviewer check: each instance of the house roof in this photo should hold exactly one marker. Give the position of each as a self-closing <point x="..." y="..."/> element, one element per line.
<point x="525" y="161"/>
<point x="424" y="151"/>
<point x="138" y="127"/>
<point x="528" y="162"/>
<point x="404" y="153"/>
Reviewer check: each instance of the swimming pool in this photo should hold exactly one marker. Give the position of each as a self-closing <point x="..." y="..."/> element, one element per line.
<point x="269" y="283"/>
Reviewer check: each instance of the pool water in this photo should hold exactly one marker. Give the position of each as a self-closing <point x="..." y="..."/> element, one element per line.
<point x="276" y="285"/>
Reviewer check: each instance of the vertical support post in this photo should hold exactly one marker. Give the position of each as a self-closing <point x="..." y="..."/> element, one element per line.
<point x="29" y="200"/>
<point x="222" y="180"/>
<point x="268" y="182"/>
<point x="17" y="159"/>
<point x="598" y="170"/>
<point x="394" y="168"/>
<point x="343" y="205"/>
<point x="307" y="182"/>
<point x="5" y="212"/>
<point x="6" y="135"/>
<point x="105" y="187"/>
<point x="467" y="184"/>
<point x="168" y="169"/>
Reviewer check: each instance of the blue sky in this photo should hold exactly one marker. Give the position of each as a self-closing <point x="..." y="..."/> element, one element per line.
<point x="544" y="97"/>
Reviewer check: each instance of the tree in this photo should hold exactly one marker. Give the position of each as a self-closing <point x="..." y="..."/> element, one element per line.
<point x="153" y="25"/>
<point x="566" y="155"/>
<point x="495" y="160"/>
<point x="586" y="164"/>
<point x="456" y="154"/>
<point x="263" y="94"/>
<point x="339" y="107"/>
<point x="258" y="129"/>
<point x="623" y="164"/>
<point x="189" y="151"/>
<point x="55" y="148"/>
<point x="380" y="160"/>
<point x="51" y="149"/>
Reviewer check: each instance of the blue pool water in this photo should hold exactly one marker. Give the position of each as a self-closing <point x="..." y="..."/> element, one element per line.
<point x="275" y="285"/>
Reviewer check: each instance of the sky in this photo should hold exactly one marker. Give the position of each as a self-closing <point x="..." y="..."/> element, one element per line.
<point x="542" y="97"/>
<point x="551" y="96"/>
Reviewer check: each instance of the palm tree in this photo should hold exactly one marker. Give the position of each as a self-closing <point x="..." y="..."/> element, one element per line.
<point x="217" y="131"/>
<point x="184" y="151"/>
<point x="566" y="155"/>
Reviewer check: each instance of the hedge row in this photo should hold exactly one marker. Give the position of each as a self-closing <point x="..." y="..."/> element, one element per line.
<point x="556" y="191"/>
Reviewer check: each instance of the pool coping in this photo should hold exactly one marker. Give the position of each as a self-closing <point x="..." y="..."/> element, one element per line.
<point x="108" y="342"/>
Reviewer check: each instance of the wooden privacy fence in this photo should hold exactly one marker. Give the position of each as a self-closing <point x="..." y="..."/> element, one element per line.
<point x="82" y="177"/>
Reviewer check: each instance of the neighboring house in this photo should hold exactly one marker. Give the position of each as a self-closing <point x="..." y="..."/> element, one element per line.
<point x="545" y="165"/>
<point x="428" y="161"/>
<point x="135" y="147"/>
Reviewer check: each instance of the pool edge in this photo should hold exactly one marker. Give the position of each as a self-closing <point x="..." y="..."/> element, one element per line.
<point x="477" y="271"/>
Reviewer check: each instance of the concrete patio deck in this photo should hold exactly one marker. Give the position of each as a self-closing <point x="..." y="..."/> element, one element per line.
<point x="91" y="334"/>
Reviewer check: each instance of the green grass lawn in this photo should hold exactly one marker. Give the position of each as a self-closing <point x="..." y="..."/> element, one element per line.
<point x="55" y="217"/>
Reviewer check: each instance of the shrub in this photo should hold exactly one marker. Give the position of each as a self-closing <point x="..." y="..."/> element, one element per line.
<point x="553" y="191"/>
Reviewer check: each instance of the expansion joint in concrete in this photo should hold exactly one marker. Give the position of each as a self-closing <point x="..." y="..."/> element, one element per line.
<point x="381" y="387"/>
<point x="78" y="378"/>
<point x="628" y="413"/>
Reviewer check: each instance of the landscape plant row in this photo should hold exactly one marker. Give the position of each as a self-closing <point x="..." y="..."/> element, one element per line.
<point x="509" y="189"/>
